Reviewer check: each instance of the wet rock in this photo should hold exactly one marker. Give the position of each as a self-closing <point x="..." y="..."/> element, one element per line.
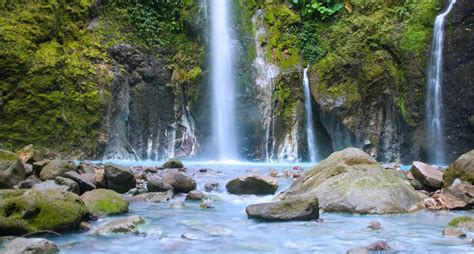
<point x="179" y="181"/>
<point x="173" y="163"/>
<point x="85" y="181"/>
<point x="12" y="170"/>
<point x="195" y="196"/>
<point x="204" y="170"/>
<point x="458" y="196"/>
<point x="22" y="245"/>
<point x="72" y="186"/>
<point x="417" y="185"/>
<point x="253" y="184"/>
<point x="374" y="225"/>
<point x="431" y="177"/>
<point x="119" y="179"/>
<point x="104" y="202"/>
<point x="298" y="208"/>
<point x="358" y="251"/>
<point x="86" y="168"/>
<point x="123" y="225"/>
<point x="56" y="168"/>
<point x="153" y="197"/>
<point x="462" y="168"/>
<point x="211" y="187"/>
<point x="466" y="222"/>
<point x="206" y="205"/>
<point x="39" y="210"/>
<point x="190" y="236"/>
<point x="453" y="232"/>
<point x="155" y="184"/>
<point x="352" y="181"/>
<point x="178" y="204"/>
<point x="85" y="226"/>
<point x="379" y="246"/>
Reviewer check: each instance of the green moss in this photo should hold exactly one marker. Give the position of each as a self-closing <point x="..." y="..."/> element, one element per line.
<point x="459" y="221"/>
<point x="104" y="202"/>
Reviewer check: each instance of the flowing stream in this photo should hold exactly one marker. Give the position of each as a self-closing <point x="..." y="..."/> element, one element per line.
<point x="312" y="148"/>
<point x="226" y="228"/>
<point x="223" y="114"/>
<point x="434" y="98"/>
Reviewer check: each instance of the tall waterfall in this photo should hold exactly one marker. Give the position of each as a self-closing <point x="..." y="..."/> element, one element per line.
<point x="312" y="148"/>
<point x="223" y="121"/>
<point x="434" y="100"/>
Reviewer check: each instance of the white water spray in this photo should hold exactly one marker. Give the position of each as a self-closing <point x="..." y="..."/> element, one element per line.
<point x="312" y="148"/>
<point x="223" y="122"/>
<point x="434" y="102"/>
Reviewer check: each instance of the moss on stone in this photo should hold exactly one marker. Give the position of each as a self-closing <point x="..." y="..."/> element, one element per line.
<point x="460" y="221"/>
<point x="104" y="202"/>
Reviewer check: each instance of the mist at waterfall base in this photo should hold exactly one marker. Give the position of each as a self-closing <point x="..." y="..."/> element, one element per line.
<point x="434" y="99"/>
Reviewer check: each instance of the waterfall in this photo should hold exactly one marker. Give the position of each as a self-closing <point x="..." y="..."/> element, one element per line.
<point x="312" y="149"/>
<point x="434" y="103"/>
<point x="223" y="114"/>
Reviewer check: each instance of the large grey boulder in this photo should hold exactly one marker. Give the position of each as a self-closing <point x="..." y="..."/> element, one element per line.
<point x="297" y="208"/>
<point x="253" y="184"/>
<point x="12" y="170"/>
<point x="352" y="181"/>
<point x="462" y="168"/>
<point x="119" y="178"/>
<point x="85" y="181"/>
<point x="22" y="245"/>
<point x="173" y="163"/>
<point x="460" y="195"/>
<point x="56" y="168"/>
<point x="123" y="225"/>
<point x="179" y="181"/>
<point x="104" y="202"/>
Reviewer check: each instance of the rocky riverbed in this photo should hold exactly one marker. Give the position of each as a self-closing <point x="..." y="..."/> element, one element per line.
<point x="347" y="203"/>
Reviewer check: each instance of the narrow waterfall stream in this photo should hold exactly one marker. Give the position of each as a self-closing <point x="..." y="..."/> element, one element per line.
<point x="223" y="122"/>
<point x="312" y="148"/>
<point x="434" y="99"/>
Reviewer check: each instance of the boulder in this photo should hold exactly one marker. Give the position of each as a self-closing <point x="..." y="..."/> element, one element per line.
<point x="123" y="225"/>
<point x="26" y="211"/>
<point x="208" y="187"/>
<point x="11" y="170"/>
<point x="100" y="179"/>
<point x="53" y="185"/>
<point x="119" y="178"/>
<point x="28" y="183"/>
<point x="453" y="232"/>
<point x="173" y="163"/>
<point x="153" y="197"/>
<point x="431" y="177"/>
<point x="155" y="184"/>
<point x="28" y="154"/>
<point x="22" y="245"/>
<point x="179" y="181"/>
<point x="352" y="181"/>
<point x="462" y="168"/>
<point x="104" y="202"/>
<point x="253" y="184"/>
<point x="466" y="222"/>
<point x="70" y="184"/>
<point x="374" y="225"/>
<point x="196" y="196"/>
<point x="85" y="181"/>
<point x="298" y="208"/>
<point x="458" y="196"/>
<point x="39" y="165"/>
<point x="56" y="168"/>
<point x="378" y="246"/>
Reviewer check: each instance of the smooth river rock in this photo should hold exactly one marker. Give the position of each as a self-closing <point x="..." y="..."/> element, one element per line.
<point x="462" y="168"/>
<point x="11" y="170"/>
<point x="298" y="208"/>
<point x="22" y="245"/>
<point x="124" y="225"/>
<point x="253" y="184"/>
<point x="180" y="182"/>
<point x="173" y="163"/>
<point x="104" y="202"/>
<point x="119" y="178"/>
<point x="56" y="168"/>
<point x="352" y="181"/>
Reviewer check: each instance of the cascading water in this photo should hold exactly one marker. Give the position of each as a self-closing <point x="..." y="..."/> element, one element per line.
<point x="225" y="143"/>
<point x="434" y="103"/>
<point x="312" y="148"/>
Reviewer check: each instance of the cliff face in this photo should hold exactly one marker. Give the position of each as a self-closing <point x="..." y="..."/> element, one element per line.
<point x="458" y="81"/>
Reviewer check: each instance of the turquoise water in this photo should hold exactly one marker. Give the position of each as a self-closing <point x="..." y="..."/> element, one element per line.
<point x="226" y="229"/>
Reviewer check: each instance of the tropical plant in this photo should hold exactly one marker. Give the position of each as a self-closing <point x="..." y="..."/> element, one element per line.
<point x="321" y="8"/>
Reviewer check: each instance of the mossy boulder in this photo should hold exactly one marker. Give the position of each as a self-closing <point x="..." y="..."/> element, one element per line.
<point x="27" y="211"/>
<point x="173" y="163"/>
<point x="253" y="184"/>
<point x="462" y="222"/>
<point x="462" y="168"/>
<point x="352" y="181"/>
<point x="56" y="168"/>
<point x="104" y="202"/>
<point x="12" y="170"/>
<point x="22" y="245"/>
